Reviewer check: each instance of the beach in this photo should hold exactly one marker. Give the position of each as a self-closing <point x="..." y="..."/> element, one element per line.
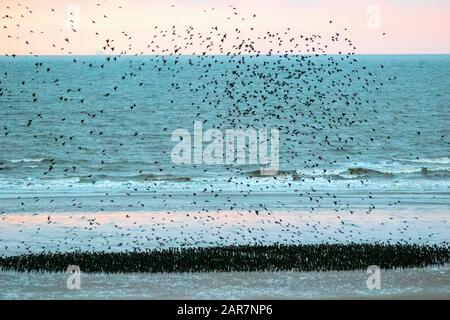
<point x="424" y="283"/>
<point x="121" y="231"/>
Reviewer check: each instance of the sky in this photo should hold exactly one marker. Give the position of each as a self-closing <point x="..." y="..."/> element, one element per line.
<point x="373" y="26"/>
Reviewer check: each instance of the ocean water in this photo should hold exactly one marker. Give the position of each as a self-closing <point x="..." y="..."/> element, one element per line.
<point x="90" y="133"/>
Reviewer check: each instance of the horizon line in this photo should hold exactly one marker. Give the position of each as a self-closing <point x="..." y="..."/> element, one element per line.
<point x="225" y="55"/>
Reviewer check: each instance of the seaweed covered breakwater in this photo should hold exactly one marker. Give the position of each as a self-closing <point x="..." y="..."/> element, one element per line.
<point x="250" y="258"/>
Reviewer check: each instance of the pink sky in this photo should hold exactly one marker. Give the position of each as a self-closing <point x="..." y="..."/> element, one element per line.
<point x="411" y="26"/>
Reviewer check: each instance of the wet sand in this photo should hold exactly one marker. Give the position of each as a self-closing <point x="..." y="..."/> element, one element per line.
<point x="124" y="231"/>
<point x="22" y="233"/>
<point x="427" y="283"/>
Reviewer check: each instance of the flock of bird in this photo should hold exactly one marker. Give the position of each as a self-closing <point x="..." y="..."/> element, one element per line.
<point x="325" y="257"/>
<point x="245" y="78"/>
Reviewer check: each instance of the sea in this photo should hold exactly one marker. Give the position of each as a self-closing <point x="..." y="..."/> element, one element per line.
<point x="91" y="133"/>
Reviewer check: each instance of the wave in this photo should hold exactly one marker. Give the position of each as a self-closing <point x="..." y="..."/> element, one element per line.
<point x="437" y="173"/>
<point x="443" y="160"/>
<point x="136" y="178"/>
<point x="121" y="162"/>
<point x="280" y="173"/>
<point x="423" y="172"/>
<point x="27" y="160"/>
<point x="358" y="172"/>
